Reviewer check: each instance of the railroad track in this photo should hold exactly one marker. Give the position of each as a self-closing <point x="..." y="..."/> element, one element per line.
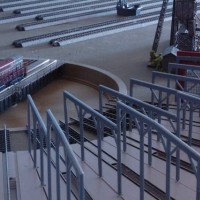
<point x="92" y="30"/>
<point x="64" y="17"/>
<point x="81" y="9"/>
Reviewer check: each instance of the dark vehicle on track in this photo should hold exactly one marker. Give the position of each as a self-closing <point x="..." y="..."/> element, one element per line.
<point x="124" y="9"/>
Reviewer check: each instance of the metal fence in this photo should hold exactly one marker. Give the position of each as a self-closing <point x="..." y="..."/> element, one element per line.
<point x="156" y="113"/>
<point x="160" y="96"/>
<point x="40" y="140"/>
<point x="188" y="113"/>
<point x="182" y="83"/>
<point x="101" y="122"/>
<point x="170" y="143"/>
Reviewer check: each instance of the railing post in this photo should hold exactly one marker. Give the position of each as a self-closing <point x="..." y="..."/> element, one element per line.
<point x="141" y="132"/>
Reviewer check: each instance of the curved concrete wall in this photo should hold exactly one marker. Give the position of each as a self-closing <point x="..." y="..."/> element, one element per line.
<point x="93" y="76"/>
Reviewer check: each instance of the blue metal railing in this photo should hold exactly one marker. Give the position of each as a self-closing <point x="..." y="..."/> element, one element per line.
<point x="101" y="122"/>
<point x="183" y="83"/>
<point x="170" y="143"/>
<point x="158" y="94"/>
<point x="39" y="134"/>
<point x="70" y="159"/>
<point x="147" y="109"/>
<point x="7" y="165"/>
<point x="188" y="107"/>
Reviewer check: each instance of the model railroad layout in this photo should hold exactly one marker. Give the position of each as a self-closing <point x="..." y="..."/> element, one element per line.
<point x="20" y="76"/>
<point x="33" y="15"/>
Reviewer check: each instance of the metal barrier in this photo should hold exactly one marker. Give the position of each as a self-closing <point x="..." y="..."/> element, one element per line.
<point x="170" y="142"/>
<point x="188" y="107"/>
<point x="190" y="70"/>
<point x="101" y="122"/>
<point x="70" y="160"/>
<point x="8" y="196"/>
<point x="37" y="135"/>
<point x="159" y="94"/>
<point x="151" y="111"/>
<point x="183" y="83"/>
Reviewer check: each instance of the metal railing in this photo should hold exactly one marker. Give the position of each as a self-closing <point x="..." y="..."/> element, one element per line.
<point x="182" y="83"/>
<point x="160" y="95"/>
<point x="151" y="111"/>
<point x="70" y="160"/>
<point x="170" y="143"/>
<point x="38" y="134"/>
<point x="188" y="107"/>
<point x="101" y="122"/>
<point x="6" y="166"/>
<point x="187" y="69"/>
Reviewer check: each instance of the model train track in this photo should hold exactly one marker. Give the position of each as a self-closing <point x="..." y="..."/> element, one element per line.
<point x="116" y="25"/>
<point x="61" y="13"/>
<point x="29" y="4"/>
<point x="33" y="14"/>
<point x="65" y="17"/>
<point x="63" y="5"/>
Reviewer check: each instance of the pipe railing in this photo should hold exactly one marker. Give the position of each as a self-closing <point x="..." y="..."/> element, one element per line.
<point x="170" y="143"/>
<point x="183" y="83"/>
<point x="189" y="70"/>
<point x="159" y="94"/>
<point x="70" y="161"/>
<point x="188" y="107"/>
<point x="39" y="139"/>
<point x="150" y="110"/>
<point x="6" y="164"/>
<point x="101" y="122"/>
<point x="37" y="134"/>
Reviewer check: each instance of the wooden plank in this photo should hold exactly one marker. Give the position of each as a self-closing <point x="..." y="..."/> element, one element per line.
<point x="1" y="177"/>
<point x="29" y="183"/>
<point x="95" y="186"/>
<point x="184" y="189"/>
<point x="53" y="177"/>
<point x="130" y="190"/>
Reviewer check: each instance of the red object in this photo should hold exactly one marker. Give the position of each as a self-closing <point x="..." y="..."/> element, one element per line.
<point x="188" y="54"/>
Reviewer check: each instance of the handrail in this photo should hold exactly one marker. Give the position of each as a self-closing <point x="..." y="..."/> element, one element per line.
<point x="147" y="109"/>
<point x="70" y="159"/>
<point x="189" y="82"/>
<point x="187" y="105"/>
<point x="146" y="124"/>
<point x="163" y="95"/>
<point x="36" y="126"/>
<point x="35" y="122"/>
<point x="100" y="122"/>
<point x="7" y="170"/>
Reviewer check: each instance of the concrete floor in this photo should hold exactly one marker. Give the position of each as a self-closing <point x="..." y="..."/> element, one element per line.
<point x="125" y="54"/>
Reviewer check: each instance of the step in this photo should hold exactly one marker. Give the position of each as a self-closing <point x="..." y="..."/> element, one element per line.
<point x="130" y="191"/>
<point x="29" y="183"/>
<point x="53" y="177"/>
<point x="1" y="177"/>
<point x="156" y="173"/>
